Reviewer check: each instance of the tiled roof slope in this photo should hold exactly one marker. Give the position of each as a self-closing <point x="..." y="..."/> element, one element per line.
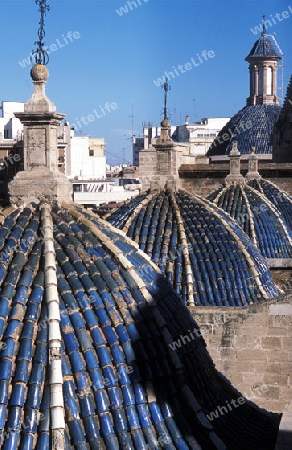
<point x="281" y="199"/>
<point x="203" y="252"/>
<point x="263" y="47"/>
<point x="258" y="217"/>
<point x="251" y="126"/>
<point x="66" y="279"/>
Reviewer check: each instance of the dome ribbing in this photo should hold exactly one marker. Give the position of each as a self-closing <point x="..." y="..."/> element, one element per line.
<point x="203" y="252"/>
<point x="84" y="286"/>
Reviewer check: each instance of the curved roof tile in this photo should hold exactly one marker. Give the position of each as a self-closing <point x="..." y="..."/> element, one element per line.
<point x="87" y="322"/>
<point x="257" y="216"/>
<point x="251" y="126"/>
<point x="203" y="252"/>
<point x="280" y="199"/>
<point x="263" y="47"/>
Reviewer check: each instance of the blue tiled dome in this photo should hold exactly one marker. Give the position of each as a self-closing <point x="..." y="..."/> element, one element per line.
<point x="279" y="198"/>
<point x="263" y="47"/>
<point x="257" y="216"/>
<point x="251" y="126"/>
<point x="204" y="253"/>
<point x="119" y="382"/>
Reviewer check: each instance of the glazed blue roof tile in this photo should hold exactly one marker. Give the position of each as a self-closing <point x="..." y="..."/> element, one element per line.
<point x="219" y="253"/>
<point x="251" y="126"/>
<point x="129" y="324"/>
<point x="263" y="217"/>
<point x="280" y="199"/>
<point x="264" y="48"/>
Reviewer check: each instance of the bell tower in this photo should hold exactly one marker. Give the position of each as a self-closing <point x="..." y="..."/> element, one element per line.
<point x="263" y="67"/>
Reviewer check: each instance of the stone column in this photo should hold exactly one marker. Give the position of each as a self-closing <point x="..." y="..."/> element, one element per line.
<point x="256" y="81"/>
<point x="265" y="86"/>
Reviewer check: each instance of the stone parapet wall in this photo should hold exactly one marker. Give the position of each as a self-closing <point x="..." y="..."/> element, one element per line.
<point x="252" y="347"/>
<point x="202" y="179"/>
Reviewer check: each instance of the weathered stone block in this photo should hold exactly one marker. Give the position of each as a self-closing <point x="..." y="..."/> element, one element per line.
<point x="246" y="342"/>
<point x="286" y="368"/>
<point x="277" y="355"/>
<point x="271" y="343"/>
<point x="251" y="355"/>
<point x="276" y="379"/>
<point x="284" y="309"/>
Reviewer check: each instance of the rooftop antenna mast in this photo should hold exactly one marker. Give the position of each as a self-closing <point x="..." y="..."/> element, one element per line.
<point x="132" y="120"/>
<point x="40" y="55"/>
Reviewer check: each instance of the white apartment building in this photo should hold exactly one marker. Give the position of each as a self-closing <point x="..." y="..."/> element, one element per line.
<point x="195" y="138"/>
<point x="10" y="127"/>
<point x="85" y="159"/>
<point x="200" y="135"/>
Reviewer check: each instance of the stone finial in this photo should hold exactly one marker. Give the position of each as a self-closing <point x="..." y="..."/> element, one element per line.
<point x="235" y="176"/>
<point x="164" y="137"/>
<point x="39" y="101"/>
<point x="41" y="179"/>
<point x="253" y="161"/>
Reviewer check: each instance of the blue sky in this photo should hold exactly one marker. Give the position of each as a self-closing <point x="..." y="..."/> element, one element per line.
<point x="114" y="58"/>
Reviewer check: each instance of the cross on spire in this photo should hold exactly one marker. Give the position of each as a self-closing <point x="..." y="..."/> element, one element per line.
<point x="40" y="55"/>
<point x="264" y="30"/>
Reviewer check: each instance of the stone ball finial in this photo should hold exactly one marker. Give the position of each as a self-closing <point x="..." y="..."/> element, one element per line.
<point x="39" y="72"/>
<point x="165" y="123"/>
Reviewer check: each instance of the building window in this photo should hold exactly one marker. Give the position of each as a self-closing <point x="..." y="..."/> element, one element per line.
<point x="269" y="80"/>
<point x="91" y="152"/>
<point x="6" y="134"/>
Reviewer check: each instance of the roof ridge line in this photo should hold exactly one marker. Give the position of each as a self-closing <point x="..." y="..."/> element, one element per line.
<point x="216" y="199"/>
<point x="117" y="231"/>
<point x="251" y="221"/>
<point x="282" y="191"/>
<point x="275" y="210"/>
<point x="55" y="357"/>
<point x="138" y="208"/>
<point x="185" y="250"/>
<point x="256" y="274"/>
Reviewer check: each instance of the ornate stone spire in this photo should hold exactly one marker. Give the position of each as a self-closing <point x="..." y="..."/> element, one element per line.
<point x="41" y="179"/>
<point x="235" y="176"/>
<point x="253" y="161"/>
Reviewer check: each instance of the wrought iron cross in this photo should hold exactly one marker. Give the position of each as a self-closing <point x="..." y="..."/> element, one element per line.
<point x="264" y="30"/>
<point x="166" y="88"/>
<point x="40" y="55"/>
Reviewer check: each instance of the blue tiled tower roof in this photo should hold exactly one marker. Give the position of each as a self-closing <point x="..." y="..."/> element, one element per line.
<point x="257" y="216"/>
<point x="122" y="385"/>
<point x="263" y="47"/>
<point x="204" y="253"/>
<point x="251" y="126"/>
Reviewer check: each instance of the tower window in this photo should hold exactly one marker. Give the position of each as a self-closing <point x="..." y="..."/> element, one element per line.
<point x="91" y="152"/>
<point x="269" y="80"/>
